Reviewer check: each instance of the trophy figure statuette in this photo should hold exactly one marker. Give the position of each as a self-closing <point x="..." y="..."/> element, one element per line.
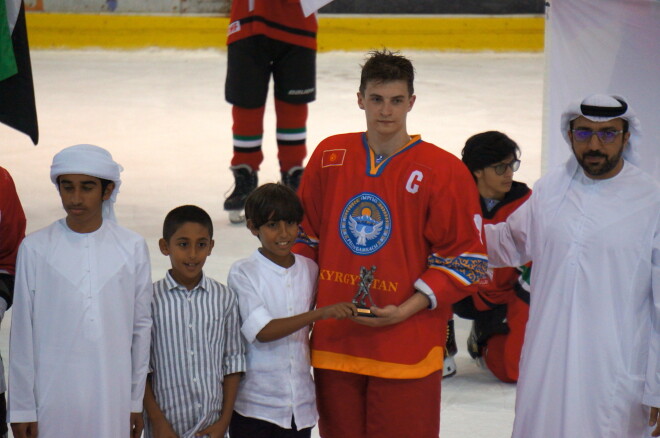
<point x="362" y="296"/>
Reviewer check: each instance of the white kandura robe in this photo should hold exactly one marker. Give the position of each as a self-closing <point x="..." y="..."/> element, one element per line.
<point x="81" y="321"/>
<point x="591" y="357"/>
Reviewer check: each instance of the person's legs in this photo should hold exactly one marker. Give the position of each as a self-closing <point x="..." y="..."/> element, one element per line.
<point x="291" y="140"/>
<point x="247" y="427"/>
<point x="246" y="88"/>
<point x="294" y="77"/>
<point x="502" y="352"/>
<point x="340" y="398"/>
<point x="293" y="432"/>
<point x="404" y="407"/>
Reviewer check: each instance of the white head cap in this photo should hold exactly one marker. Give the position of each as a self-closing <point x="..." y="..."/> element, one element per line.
<point x="601" y="108"/>
<point x="87" y="159"/>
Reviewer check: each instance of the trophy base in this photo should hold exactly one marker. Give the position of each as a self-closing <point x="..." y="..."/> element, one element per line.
<point x="365" y="311"/>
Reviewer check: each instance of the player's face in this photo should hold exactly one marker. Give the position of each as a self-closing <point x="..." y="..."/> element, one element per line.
<point x="494" y="186"/>
<point x="188" y="249"/>
<point x="386" y="106"/>
<point x="82" y="199"/>
<point x="277" y="239"/>
<point x="599" y="160"/>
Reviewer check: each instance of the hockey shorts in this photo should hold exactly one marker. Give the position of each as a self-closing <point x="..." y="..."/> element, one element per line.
<point x="250" y="63"/>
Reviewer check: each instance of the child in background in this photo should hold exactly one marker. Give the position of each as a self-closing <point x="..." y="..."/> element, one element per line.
<point x="197" y="355"/>
<point x="276" y="290"/>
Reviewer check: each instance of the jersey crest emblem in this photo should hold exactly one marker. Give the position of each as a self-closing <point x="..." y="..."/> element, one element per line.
<point x="365" y="224"/>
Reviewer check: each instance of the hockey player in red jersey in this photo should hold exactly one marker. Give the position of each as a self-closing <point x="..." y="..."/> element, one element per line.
<point x="12" y="232"/>
<point x="387" y="199"/>
<point x="500" y="308"/>
<point x="268" y="38"/>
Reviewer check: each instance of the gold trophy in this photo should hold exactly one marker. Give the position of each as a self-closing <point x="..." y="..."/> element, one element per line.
<point x="362" y="295"/>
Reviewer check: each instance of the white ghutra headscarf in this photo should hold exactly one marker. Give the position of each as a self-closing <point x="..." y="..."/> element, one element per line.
<point x="601" y="108"/>
<point x="87" y="159"/>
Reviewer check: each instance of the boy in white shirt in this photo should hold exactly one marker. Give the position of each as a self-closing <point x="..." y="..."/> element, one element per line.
<point x="276" y="290"/>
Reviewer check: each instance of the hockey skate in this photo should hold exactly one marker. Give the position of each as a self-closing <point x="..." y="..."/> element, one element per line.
<point x="245" y="181"/>
<point x="292" y="177"/>
<point x="449" y="364"/>
<point x="487" y="325"/>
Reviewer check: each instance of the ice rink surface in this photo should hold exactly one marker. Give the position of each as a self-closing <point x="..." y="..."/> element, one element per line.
<point x="163" y="116"/>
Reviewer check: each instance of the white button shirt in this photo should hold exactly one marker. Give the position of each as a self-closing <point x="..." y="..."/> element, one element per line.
<point x="278" y="384"/>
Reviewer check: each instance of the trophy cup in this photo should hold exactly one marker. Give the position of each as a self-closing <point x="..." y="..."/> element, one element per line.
<point x="362" y="295"/>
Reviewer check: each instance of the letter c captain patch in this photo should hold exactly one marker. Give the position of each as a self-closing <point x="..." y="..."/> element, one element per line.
<point x="333" y="157"/>
<point x="365" y="224"/>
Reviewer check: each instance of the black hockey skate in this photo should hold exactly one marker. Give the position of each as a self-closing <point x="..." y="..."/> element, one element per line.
<point x="292" y="177"/>
<point x="245" y="181"/>
<point x="449" y="364"/>
<point x="485" y="326"/>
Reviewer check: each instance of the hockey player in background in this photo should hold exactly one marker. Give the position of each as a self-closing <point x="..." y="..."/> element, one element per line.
<point x="12" y="232"/>
<point x="268" y="38"/>
<point x="500" y="308"/>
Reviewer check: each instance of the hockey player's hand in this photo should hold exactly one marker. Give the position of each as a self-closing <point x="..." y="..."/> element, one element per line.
<point x="654" y="420"/>
<point x="392" y="314"/>
<point x="387" y="315"/>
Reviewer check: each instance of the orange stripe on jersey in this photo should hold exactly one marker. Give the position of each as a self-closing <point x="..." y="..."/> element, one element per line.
<point x="371" y="367"/>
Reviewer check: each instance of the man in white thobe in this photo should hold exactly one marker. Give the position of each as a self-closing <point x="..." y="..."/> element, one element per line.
<point x="79" y="342"/>
<point x="590" y="366"/>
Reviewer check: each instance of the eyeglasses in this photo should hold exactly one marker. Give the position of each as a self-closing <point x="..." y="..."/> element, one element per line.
<point x="501" y="167"/>
<point x="583" y="135"/>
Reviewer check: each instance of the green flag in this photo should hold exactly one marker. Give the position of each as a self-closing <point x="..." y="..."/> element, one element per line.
<point x="7" y="61"/>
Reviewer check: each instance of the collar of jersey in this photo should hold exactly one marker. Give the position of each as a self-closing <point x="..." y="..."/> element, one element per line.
<point x="374" y="169"/>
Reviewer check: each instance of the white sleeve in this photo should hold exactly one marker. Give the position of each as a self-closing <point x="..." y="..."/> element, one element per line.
<point x="652" y="385"/>
<point x="141" y="326"/>
<point x="509" y="242"/>
<point x="22" y="405"/>
<point x="254" y="312"/>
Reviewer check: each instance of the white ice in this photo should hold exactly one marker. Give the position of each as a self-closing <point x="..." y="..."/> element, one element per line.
<point x="163" y="116"/>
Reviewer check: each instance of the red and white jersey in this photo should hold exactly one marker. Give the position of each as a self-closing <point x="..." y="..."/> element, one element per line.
<point x="281" y="20"/>
<point x="415" y="216"/>
<point x="499" y="288"/>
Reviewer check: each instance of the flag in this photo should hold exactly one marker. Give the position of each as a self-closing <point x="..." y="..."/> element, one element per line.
<point x="17" y="105"/>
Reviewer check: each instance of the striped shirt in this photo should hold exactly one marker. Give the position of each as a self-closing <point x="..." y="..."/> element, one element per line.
<point x="195" y="342"/>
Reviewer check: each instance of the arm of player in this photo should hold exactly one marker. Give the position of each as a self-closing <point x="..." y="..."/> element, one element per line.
<point x="281" y="327"/>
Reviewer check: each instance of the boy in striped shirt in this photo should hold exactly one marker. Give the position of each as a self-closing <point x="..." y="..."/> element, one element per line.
<point x="197" y="355"/>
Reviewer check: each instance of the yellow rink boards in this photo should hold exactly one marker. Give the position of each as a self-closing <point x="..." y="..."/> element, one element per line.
<point x="336" y="32"/>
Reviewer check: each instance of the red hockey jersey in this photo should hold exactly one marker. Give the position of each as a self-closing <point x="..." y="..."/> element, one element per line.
<point x="281" y="20"/>
<point x="414" y="216"/>
<point x="499" y="289"/>
<point x="12" y="223"/>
